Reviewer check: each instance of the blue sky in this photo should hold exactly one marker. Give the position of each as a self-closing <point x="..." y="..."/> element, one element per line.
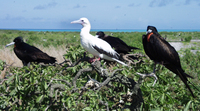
<point x="103" y="14"/>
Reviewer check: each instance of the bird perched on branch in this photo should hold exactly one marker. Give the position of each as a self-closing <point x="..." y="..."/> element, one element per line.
<point x="96" y="46"/>
<point x="161" y="52"/>
<point x="27" y="53"/>
<point x="119" y="45"/>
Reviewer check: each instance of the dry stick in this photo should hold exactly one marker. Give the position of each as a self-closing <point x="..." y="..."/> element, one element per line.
<point x="3" y="73"/>
<point x="130" y="60"/>
<point x="51" y="103"/>
<point x="95" y="81"/>
<point x="105" y="104"/>
<point x="63" y="103"/>
<point x="76" y="63"/>
<point x="130" y="83"/>
<point x="78" y="74"/>
<point x="3" y="81"/>
<point x="66" y="82"/>
<point x="65" y="61"/>
<point x="107" y="80"/>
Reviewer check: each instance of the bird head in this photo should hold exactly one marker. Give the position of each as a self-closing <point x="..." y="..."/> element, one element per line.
<point x="100" y="34"/>
<point x="16" y="41"/>
<point x="83" y="21"/>
<point x="151" y="29"/>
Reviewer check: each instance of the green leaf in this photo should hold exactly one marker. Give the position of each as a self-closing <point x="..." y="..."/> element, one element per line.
<point x="11" y="78"/>
<point x="12" y="92"/>
<point x="45" y="86"/>
<point x="162" y="98"/>
<point x="87" y="109"/>
<point x="69" y="104"/>
<point x="187" y="106"/>
<point x="39" y="98"/>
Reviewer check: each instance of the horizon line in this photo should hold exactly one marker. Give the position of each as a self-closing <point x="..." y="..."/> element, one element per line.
<point x="93" y="29"/>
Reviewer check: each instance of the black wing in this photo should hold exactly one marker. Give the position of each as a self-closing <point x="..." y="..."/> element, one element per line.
<point x="101" y="51"/>
<point x="117" y="44"/>
<point x="160" y="50"/>
<point x="32" y="54"/>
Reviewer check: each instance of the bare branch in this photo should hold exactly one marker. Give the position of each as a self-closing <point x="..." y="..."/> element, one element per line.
<point x="78" y="74"/>
<point x="131" y="57"/>
<point x="105" y="104"/>
<point x="66" y="82"/>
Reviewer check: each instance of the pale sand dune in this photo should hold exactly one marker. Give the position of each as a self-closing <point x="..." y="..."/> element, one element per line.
<point x="8" y="55"/>
<point x="179" y="45"/>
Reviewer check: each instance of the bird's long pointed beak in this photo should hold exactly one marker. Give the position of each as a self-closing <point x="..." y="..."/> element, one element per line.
<point x="76" y="21"/>
<point x="12" y="43"/>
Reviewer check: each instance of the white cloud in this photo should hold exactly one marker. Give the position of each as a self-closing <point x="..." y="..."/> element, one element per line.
<point x="41" y="7"/>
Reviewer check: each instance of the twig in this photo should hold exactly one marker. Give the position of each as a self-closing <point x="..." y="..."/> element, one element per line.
<point x="65" y="61"/>
<point x="78" y="74"/>
<point x="149" y="75"/>
<point x="66" y="82"/>
<point x="128" y="57"/>
<point x="130" y="83"/>
<point x="3" y="81"/>
<point x="49" y="105"/>
<point x="105" y="104"/>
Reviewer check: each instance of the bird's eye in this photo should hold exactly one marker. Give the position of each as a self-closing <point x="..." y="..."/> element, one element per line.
<point x="82" y="20"/>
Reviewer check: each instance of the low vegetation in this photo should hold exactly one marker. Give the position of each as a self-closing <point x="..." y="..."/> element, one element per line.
<point x="42" y="87"/>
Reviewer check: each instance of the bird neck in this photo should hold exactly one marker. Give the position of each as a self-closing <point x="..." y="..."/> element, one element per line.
<point x="149" y="35"/>
<point x="85" y="30"/>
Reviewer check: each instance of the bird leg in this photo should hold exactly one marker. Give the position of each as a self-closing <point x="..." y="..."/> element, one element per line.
<point x="91" y="60"/>
<point x="150" y="75"/>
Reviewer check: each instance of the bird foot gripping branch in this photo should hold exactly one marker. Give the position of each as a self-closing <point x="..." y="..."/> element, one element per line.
<point x="91" y="60"/>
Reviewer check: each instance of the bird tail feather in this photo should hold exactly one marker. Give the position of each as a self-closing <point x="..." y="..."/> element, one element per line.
<point x="120" y="62"/>
<point x="185" y="80"/>
<point x="53" y="59"/>
<point x="134" y="48"/>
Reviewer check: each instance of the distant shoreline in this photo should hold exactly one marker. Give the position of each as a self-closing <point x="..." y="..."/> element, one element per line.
<point x="107" y="30"/>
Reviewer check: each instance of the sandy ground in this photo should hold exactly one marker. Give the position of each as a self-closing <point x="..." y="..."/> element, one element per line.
<point x="179" y="45"/>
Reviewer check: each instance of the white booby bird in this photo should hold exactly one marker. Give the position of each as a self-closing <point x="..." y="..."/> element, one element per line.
<point x="94" y="45"/>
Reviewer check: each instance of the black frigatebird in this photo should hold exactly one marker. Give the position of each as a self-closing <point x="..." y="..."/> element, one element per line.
<point x="27" y="53"/>
<point x="161" y="52"/>
<point x="116" y="43"/>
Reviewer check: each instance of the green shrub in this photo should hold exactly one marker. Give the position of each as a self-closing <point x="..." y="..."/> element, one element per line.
<point x="188" y="39"/>
<point x="33" y="88"/>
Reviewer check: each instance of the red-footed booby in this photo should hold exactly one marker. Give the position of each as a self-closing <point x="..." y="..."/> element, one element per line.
<point x="94" y="45"/>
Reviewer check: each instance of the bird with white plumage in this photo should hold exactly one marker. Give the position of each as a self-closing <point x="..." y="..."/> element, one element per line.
<point x="95" y="46"/>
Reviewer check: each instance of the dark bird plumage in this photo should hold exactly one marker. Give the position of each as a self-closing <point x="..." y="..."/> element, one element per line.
<point x="116" y="43"/>
<point x="27" y="53"/>
<point x="160" y="51"/>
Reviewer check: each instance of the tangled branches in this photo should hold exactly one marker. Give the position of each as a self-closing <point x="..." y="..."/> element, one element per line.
<point x="56" y="92"/>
